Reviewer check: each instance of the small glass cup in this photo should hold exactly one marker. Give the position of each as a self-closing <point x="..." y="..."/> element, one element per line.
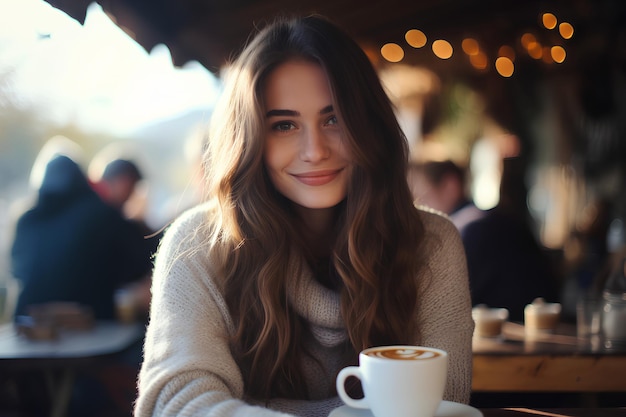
<point x="587" y="317"/>
<point x="489" y="321"/>
<point x="541" y="317"/>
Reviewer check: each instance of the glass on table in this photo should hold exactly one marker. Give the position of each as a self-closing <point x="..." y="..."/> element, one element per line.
<point x="541" y="317"/>
<point x="587" y="316"/>
<point x="488" y="321"/>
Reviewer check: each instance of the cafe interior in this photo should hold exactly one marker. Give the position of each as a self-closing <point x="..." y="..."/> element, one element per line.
<point x="479" y="83"/>
<point x="541" y="80"/>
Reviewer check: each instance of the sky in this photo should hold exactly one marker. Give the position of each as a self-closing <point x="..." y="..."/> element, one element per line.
<point x="92" y="75"/>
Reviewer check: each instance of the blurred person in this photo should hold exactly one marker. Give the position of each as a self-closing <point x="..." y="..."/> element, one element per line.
<point x="506" y="263"/>
<point x="71" y="246"/>
<point x="118" y="182"/>
<point x="55" y="146"/>
<point x="116" y="173"/>
<point x="309" y="248"/>
<point x="117" y="186"/>
<point x="441" y="185"/>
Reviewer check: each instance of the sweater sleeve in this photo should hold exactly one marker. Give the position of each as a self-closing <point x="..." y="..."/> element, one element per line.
<point x="444" y="305"/>
<point x="188" y="369"/>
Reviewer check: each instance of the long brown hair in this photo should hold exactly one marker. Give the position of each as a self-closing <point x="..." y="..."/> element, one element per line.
<point x="376" y="252"/>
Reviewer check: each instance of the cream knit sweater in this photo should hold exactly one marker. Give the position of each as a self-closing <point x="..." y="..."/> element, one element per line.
<point x="188" y="369"/>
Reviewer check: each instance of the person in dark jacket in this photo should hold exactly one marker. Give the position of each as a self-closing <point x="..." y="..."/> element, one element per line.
<point x="72" y="246"/>
<point x="507" y="265"/>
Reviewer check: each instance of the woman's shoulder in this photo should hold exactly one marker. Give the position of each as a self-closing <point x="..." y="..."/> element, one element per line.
<point x="192" y="218"/>
<point x="436" y="222"/>
<point x="441" y="237"/>
<point x="190" y="229"/>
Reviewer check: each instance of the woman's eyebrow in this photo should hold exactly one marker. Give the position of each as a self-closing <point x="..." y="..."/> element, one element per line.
<point x="281" y="112"/>
<point x="327" y="109"/>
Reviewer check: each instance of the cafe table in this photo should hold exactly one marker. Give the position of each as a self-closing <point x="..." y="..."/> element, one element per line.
<point x="558" y="362"/>
<point x="58" y="360"/>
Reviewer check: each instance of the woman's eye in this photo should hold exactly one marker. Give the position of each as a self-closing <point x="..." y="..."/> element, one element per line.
<point x="283" y="126"/>
<point x="332" y="120"/>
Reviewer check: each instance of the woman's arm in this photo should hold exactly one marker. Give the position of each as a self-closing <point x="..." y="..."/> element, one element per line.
<point x="188" y="369"/>
<point x="444" y="307"/>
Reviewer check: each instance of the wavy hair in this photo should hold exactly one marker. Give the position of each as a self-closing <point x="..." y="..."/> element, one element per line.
<point x="376" y="251"/>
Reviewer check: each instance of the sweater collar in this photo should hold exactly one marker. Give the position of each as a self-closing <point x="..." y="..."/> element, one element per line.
<point x="317" y="304"/>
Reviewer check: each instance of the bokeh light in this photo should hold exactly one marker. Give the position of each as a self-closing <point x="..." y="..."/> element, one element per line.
<point x="392" y="52"/>
<point x="566" y="30"/>
<point x="442" y="49"/>
<point x="479" y="61"/>
<point x="470" y="46"/>
<point x="415" y="38"/>
<point x="558" y="54"/>
<point x="505" y="66"/>
<point x="535" y="50"/>
<point x="549" y="20"/>
<point x="526" y="39"/>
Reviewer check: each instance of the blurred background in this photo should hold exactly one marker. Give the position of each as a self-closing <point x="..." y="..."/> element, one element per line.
<point x="472" y="81"/>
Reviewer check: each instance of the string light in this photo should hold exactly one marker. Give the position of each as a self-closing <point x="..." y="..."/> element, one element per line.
<point x="566" y="30"/>
<point x="442" y="49"/>
<point x="416" y="38"/>
<point x="479" y="61"/>
<point x="504" y="64"/>
<point x="549" y="20"/>
<point x="392" y="52"/>
<point x="470" y="46"/>
<point x="558" y="54"/>
<point x="526" y="39"/>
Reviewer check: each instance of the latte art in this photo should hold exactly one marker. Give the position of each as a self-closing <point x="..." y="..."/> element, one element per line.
<point x="403" y="354"/>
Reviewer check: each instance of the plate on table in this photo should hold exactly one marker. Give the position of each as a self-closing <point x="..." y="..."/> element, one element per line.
<point x="446" y="409"/>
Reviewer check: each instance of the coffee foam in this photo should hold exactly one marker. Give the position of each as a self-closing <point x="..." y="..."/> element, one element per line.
<point x="403" y="353"/>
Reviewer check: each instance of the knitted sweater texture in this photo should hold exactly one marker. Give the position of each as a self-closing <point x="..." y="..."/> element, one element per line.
<point x="188" y="367"/>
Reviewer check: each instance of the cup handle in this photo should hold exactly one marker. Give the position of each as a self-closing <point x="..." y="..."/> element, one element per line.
<point x="341" y="387"/>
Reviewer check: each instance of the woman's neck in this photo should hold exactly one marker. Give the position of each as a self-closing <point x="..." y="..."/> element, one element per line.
<point x="318" y="229"/>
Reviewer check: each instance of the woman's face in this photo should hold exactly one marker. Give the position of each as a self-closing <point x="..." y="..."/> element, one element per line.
<point x="305" y="154"/>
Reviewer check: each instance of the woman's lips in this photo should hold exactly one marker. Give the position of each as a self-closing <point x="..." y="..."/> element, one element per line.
<point x="317" y="178"/>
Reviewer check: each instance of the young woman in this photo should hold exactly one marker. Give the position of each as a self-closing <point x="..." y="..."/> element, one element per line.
<point x="309" y="248"/>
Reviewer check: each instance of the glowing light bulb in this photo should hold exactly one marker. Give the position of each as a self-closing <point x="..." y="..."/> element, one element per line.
<point x="392" y="52"/>
<point x="442" y="49"/>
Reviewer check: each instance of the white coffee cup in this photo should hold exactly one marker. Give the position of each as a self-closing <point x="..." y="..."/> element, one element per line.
<point x="398" y="381"/>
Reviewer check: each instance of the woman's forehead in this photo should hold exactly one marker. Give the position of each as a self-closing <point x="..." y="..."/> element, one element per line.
<point x="297" y="84"/>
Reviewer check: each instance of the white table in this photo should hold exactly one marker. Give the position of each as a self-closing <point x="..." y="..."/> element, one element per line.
<point x="59" y="359"/>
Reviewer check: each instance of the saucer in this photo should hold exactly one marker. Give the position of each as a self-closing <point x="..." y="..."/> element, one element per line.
<point x="446" y="409"/>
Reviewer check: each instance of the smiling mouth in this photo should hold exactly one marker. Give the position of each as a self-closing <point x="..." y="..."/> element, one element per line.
<point x="317" y="178"/>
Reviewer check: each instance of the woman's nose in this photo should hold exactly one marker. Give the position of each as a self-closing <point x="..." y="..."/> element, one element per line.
<point x="314" y="146"/>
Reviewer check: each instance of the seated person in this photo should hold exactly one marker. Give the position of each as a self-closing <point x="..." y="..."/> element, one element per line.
<point x="71" y="246"/>
<point x="309" y="249"/>
<point x="118" y="182"/>
<point x="441" y="185"/>
<point x="507" y="266"/>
